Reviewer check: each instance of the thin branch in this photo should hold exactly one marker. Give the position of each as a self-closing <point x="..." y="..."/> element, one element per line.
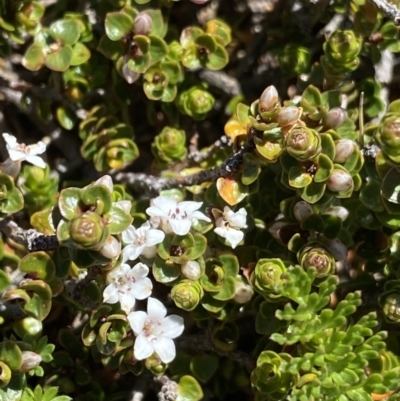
<point x="31" y="239"/>
<point x="152" y="186"/>
<point x="221" y="80"/>
<point x="390" y="10"/>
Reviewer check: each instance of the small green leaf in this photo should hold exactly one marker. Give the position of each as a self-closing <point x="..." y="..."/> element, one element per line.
<point x="66" y="30"/>
<point x="39" y="265"/>
<point x="59" y="60"/>
<point x="204" y="366"/>
<point x="34" y="57"/>
<point x="189" y="389"/>
<point x="66" y="117"/>
<point x="118" y="25"/>
<point x="80" y="54"/>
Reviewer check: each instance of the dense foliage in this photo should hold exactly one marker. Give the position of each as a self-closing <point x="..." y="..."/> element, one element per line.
<point x="209" y="202"/>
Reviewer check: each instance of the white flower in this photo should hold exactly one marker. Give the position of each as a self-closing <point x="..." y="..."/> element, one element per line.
<point x="175" y="217"/>
<point x="228" y="225"/>
<point x="154" y="331"/>
<point x="140" y="241"/>
<point x="20" y="152"/>
<point x="127" y="284"/>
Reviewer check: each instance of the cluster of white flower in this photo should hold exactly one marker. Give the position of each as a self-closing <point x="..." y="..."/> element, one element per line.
<point x="154" y="331"/>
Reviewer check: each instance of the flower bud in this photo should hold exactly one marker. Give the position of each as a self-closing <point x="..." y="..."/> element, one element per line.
<point x="196" y="102"/>
<point x="391" y="307"/>
<point x="338" y="211"/>
<point x="106" y="180"/>
<point x="87" y="230"/>
<point x="334" y="118"/>
<point x="269" y="99"/>
<point x="30" y="360"/>
<point x="199" y="1"/>
<point x="339" y="181"/>
<point x="344" y="149"/>
<point x="191" y="270"/>
<point x="317" y="256"/>
<point x="303" y="143"/>
<point x="302" y="210"/>
<point x="267" y="275"/>
<point x="289" y="115"/>
<point x="243" y="292"/>
<point x="111" y="249"/>
<point x="343" y="46"/>
<point x="170" y="145"/>
<point x="294" y="59"/>
<point x="187" y="294"/>
<point x="388" y="135"/>
<point x="142" y="24"/>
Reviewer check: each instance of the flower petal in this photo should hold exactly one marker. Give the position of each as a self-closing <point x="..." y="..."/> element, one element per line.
<point x="36" y="161"/>
<point x="156" y="211"/>
<point x="238" y="219"/>
<point x="189" y="206"/>
<point x="164" y="203"/>
<point x="156" y="310"/>
<point x="142" y="288"/>
<point x="154" y="237"/>
<point x="127" y="301"/>
<point x="139" y="271"/>
<point x="16" y="155"/>
<point x="129" y="235"/>
<point x="165" y="349"/>
<point x="200" y="216"/>
<point x="131" y="252"/>
<point x="172" y="326"/>
<point x="137" y="321"/>
<point x="11" y="140"/>
<point x="110" y="294"/>
<point x="180" y="227"/>
<point x="36" y="149"/>
<point x="142" y="348"/>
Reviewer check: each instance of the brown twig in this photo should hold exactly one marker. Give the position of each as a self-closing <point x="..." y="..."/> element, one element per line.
<point x="152" y="186"/>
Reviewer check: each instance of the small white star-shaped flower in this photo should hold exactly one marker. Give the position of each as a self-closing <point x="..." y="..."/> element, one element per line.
<point x="229" y="223"/>
<point x="140" y="241"/>
<point x="176" y="217"/>
<point x="127" y="284"/>
<point x="154" y="331"/>
<point x="20" y="152"/>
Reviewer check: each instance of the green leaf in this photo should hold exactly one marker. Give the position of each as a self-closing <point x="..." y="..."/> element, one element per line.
<point x="157" y="49"/>
<point x="80" y="54"/>
<point x="66" y="117"/>
<point x="59" y="60"/>
<point x="204" y="366"/>
<point x="34" y="57"/>
<point x="189" y="389"/>
<point x="69" y="202"/>
<point x="38" y="264"/>
<point x="118" y="25"/>
<point x="66" y="30"/>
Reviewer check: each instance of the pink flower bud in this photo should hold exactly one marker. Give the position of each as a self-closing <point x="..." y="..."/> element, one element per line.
<point x="339" y="181"/>
<point x="268" y="99"/>
<point x="344" y="149"/>
<point x="142" y="24"/>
